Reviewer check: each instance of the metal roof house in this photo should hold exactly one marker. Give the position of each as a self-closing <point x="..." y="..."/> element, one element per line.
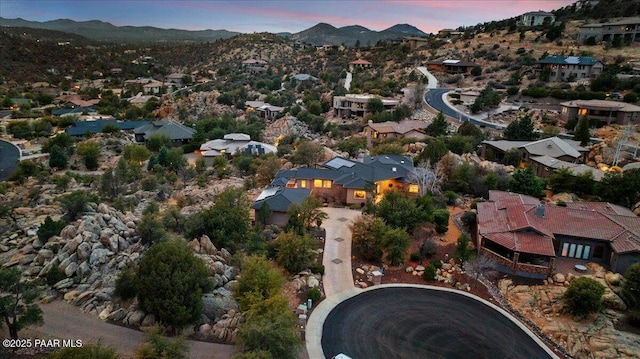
<point x="554" y="147"/>
<point x="278" y="200"/>
<point x="232" y="143"/>
<point x="81" y="128"/>
<point x="525" y="237"/>
<point x="564" y="68"/>
<point x="178" y="133"/>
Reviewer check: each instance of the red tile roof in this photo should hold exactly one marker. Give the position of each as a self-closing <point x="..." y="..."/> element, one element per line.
<point x="511" y="221"/>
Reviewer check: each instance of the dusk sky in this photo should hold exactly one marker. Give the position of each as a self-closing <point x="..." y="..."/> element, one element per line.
<point x="277" y="16"/>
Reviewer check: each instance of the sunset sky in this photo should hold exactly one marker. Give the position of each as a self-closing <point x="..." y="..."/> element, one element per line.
<point x="277" y="16"/>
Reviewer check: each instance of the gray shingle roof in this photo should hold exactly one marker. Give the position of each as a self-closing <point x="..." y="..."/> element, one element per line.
<point x="279" y="199"/>
<point x="174" y="130"/>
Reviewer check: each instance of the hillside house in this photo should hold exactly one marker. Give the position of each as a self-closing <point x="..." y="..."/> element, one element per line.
<point x="359" y="64"/>
<point x="263" y="109"/>
<point x="536" y="18"/>
<point x="625" y="30"/>
<point x="526" y="237"/>
<point x="389" y="129"/>
<point x="571" y="68"/>
<point x="621" y="113"/>
<point x="451" y="66"/>
<point x="545" y="166"/>
<point x="253" y="66"/>
<point x="553" y="147"/>
<point x="81" y="128"/>
<point x="178" y="133"/>
<point x="232" y="143"/>
<point x="355" y="105"/>
<point x="175" y="78"/>
<point x="415" y="42"/>
<point x="345" y="181"/>
<point x="278" y="201"/>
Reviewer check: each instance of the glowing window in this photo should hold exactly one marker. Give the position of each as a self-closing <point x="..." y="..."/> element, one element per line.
<point x="359" y="194"/>
<point x="303" y="183"/>
<point x="318" y="183"/>
<point x="582" y="111"/>
<point x="414" y="188"/>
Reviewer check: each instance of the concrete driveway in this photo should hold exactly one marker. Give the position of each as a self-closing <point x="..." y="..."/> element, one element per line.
<point x="337" y="250"/>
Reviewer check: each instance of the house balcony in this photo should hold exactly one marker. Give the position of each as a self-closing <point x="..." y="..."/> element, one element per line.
<point x="536" y="266"/>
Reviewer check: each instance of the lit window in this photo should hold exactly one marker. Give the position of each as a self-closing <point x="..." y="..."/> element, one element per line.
<point x="414" y="188"/>
<point x="358" y="194"/>
<point x="303" y="183"/>
<point x="326" y="184"/>
<point x="317" y="183"/>
<point x="582" y="111"/>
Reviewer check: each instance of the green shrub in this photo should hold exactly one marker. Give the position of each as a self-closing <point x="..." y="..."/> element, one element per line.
<point x="437" y="264"/>
<point x="314" y="294"/>
<point x="430" y="272"/>
<point x="441" y="220"/>
<point x="126" y="284"/>
<point x="583" y="296"/>
<point x="54" y="275"/>
<point x="50" y="228"/>
<point x="414" y="257"/>
<point x="451" y="197"/>
<point x="316" y="268"/>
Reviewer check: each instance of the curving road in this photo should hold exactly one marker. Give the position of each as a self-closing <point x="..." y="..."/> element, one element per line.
<point x="9" y="158"/>
<point x="65" y="321"/>
<point x="408" y="323"/>
<point x="434" y="98"/>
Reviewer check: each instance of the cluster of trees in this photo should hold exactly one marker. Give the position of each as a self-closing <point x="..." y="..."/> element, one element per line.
<point x="268" y="329"/>
<point x="487" y="99"/>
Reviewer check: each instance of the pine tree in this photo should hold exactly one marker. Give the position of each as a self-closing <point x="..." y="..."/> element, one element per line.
<point x="438" y="127"/>
<point x="582" y="132"/>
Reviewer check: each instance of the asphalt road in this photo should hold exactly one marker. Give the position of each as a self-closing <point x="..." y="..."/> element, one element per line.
<point x="9" y="158"/>
<point x="65" y="321"/>
<point x="433" y="97"/>
<point x="410" y="323"/>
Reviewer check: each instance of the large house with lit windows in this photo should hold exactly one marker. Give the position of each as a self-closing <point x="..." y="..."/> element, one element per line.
<point x="346" y="182"/>
<point x="526" y="237"/>
<point x="621" y="113"/>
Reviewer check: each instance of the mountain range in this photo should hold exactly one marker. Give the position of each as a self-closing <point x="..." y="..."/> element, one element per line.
<point x="320" y="34"/>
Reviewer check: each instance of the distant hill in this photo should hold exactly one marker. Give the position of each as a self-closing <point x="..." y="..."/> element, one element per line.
<point x="325" y="34"/>
<point x="106" y="32"/>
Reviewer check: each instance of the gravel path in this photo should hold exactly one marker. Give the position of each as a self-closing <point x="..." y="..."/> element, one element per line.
<point x="65" y="321"/>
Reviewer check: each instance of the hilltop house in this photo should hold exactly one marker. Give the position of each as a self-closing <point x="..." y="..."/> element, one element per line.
<point x="571" y="68"/>
<point x="627" y="30"/>
<point x="345" y="181"/>
<point x="536" y="18"/>
<point x="175" y="78"/>
<point x="178" y="133"/>
<point x="390" y="129"/>
<point x="621" y="113"/>
<point x="232" y="143"/>
<point x="415" y="42"/>
<point x="356" y="105"/>
<point x="526" y="237"/>
<point x="451" y="66"/>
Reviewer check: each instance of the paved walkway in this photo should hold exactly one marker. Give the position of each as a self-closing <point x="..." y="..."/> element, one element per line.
<point x="337" y="250"/>
<point x="338" y="277"/>
<point x="347" y="81"/>
<point x="65" y="321"/>
<point x="433" y="82"/>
